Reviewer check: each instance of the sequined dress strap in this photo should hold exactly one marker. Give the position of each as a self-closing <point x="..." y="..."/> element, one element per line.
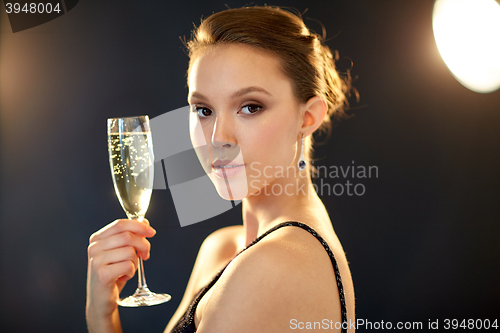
<point x="186" y="323"/>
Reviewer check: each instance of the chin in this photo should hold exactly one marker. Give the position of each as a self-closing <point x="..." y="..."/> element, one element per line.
<point x="234" y="188"/>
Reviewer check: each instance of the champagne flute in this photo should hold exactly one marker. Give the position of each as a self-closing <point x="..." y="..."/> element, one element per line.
<point x="131" y="160"/>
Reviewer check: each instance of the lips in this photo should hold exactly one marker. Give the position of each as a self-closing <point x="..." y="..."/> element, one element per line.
<point x="226" y="168"/>
<point x="221" y="163"/>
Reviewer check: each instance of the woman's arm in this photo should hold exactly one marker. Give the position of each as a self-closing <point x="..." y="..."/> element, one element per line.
<point x="112" y="261"/>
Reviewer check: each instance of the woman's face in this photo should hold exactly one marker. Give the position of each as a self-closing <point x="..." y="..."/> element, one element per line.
<point x="244" y="120"/>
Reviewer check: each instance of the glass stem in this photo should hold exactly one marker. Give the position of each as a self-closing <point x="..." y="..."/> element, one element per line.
<point x="140" y="273"/>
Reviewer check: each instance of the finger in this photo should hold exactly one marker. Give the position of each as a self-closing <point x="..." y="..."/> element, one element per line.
<point x="115" y="256"/>
<point x="122" y="271"/>
<point x="110" y="265"/>
<point x="122" y="239"/>
<point x="122" y="225"/>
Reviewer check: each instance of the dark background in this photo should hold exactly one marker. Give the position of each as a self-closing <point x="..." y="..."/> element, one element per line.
<point x="422" y="241"/>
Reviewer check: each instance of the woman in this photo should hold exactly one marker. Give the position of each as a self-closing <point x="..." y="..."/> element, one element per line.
<point x="260" y="84"/>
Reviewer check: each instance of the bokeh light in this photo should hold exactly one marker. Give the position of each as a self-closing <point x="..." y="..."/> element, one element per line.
<point x="467" y="34"/>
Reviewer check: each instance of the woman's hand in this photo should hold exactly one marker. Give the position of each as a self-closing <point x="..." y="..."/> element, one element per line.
<point x="112" y="260"/>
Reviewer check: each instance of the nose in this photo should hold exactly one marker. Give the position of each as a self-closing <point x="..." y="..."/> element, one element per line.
<point x="222" y="135"/>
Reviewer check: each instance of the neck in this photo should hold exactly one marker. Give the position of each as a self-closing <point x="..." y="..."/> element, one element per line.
<point x="268" y="208"/>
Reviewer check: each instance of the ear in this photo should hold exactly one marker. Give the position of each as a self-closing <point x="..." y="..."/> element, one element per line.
<point x="313" y="114"/>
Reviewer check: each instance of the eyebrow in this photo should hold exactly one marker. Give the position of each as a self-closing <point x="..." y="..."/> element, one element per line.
<point x="239" y="93"/>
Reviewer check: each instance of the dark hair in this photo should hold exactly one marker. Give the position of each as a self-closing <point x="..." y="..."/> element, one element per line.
<point x="305" y="59"/>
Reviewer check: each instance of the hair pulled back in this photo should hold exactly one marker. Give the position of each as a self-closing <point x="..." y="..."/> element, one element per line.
<point x="305" y="59"/>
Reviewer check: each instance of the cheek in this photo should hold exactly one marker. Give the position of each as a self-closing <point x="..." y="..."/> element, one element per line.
<point x="199" y="140"/>
<point x="195" y="131"/>
<point x="272" y="143"/>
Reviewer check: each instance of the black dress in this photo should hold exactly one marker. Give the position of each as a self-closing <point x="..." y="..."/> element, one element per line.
<point x="186" y="323"/>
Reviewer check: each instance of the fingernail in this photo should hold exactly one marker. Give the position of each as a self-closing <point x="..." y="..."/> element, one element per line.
<point x="151" y="230"/>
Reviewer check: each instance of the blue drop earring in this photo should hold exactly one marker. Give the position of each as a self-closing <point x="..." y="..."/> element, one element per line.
<point x="301" y="164"/>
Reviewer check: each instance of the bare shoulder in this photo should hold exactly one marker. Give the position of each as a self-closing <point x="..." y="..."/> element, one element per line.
<point x="215" y="252"/>
<point x="221" y="237"/>
<point x="286" y="276"/>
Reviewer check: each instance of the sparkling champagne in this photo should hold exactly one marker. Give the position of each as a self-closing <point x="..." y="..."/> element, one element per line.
<point x="131" y="160"/>
<point x="132" y="168"/>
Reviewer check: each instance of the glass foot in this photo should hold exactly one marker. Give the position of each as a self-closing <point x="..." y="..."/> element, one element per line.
<point x="144" y="297"/>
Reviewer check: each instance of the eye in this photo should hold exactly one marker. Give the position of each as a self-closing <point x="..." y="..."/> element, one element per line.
<point x="251" y="109"/>
<point x="201" y="110"/>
